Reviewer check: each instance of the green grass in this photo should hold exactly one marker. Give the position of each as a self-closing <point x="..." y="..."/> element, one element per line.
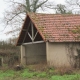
<point x="66" y="77"/>
<point x="42" y="75"/>
<point x="35" y="75"/>
<point x="9" y="73"/>
<point x="29" y="74"/>
<point x="26" y="73"/>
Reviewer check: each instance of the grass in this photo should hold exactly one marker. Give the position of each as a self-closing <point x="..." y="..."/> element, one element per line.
<point x="66" y="77"/>
<point x="27" y="74"/>
<point x="7" y="73"/>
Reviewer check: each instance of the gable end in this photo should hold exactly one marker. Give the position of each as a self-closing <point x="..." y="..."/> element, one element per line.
<point x="29" y="33"/>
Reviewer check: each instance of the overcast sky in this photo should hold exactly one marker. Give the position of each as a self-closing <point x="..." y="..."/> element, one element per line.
<point x="3" y="7"/>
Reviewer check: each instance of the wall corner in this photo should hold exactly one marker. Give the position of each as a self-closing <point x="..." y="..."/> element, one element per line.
<point x="23" y="59"/>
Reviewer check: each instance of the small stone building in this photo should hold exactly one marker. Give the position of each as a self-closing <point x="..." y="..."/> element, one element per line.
<point x="51" y="38"/>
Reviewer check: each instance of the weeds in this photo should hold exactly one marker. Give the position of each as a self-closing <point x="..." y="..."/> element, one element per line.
<point x="66" y="77"/>
<point x="8" y="73"/>
<point x="48" y="74"/>
<point x="64" y="70"/>
<point x="42" y="75"/>
<point x="27" y="74"/>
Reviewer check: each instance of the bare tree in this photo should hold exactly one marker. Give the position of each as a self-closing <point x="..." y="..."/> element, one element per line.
<point x="14" y="16"/>
<point x="74" y="5"/>
<point x="73" y="2"/>
<point x="62" y="9"/>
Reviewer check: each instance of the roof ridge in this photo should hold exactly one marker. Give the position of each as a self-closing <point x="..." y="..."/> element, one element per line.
<point x="52" y="14"/>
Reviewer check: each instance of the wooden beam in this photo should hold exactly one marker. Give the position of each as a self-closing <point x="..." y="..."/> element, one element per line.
<point x="35" y="34"/>
<point x="26" y="33"/>
<point x="33" y="42"/>
<point x="24" y="30"/>
<point x="32" y="29"/>
<point x="29" y="35"/>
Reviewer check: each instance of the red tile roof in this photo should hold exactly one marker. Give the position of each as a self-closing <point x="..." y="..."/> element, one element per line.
<point x="57" y="27"/>
<point x="54" y="27"/>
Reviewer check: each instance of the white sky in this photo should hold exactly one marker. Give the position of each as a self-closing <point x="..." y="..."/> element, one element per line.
<point x="3" y="6"/>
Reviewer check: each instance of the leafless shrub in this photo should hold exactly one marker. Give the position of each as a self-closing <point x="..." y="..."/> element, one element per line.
<point x="63" y="70"/>
<point x="38" y="67"/>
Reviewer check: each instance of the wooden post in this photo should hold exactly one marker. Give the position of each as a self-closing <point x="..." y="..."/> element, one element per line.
<point x="32" y="32"/>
